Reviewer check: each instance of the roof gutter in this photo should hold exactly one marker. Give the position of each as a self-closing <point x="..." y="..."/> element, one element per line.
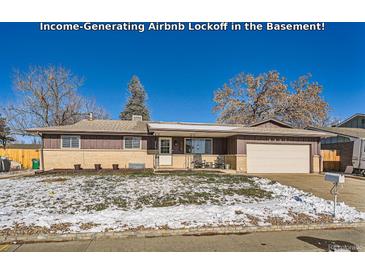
<point x="88" y="132"/>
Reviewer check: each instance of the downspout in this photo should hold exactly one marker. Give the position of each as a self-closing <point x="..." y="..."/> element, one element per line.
<point x="42" y="146"/>
<point x="155" y="158"/>
<point x="320" y="156"/>
<point x="155" y="153"/>
<point x="190" y="156"/>
<point x="361" y="147"/>
<point x="358" y="153"/>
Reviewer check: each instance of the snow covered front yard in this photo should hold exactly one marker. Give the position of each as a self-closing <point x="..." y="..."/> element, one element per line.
<point x="90" y="203"/>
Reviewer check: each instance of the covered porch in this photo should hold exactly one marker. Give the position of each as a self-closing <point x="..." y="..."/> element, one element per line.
<point x="193" y="150"/>
<point x="196" y="161"/>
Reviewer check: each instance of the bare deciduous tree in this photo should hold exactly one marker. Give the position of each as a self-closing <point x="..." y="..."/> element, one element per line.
<point x="48" y="96"/>
<point x="5" y="133"/>
<point x="246" y="99"/>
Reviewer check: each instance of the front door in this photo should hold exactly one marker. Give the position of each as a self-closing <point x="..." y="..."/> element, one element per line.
<point x="165" y="157"/>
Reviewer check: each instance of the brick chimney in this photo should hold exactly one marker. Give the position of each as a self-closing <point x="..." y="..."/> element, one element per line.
<point x="137" y="118"/>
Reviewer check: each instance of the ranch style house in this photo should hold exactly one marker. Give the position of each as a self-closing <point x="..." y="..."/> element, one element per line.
<point x="269" y="146"/>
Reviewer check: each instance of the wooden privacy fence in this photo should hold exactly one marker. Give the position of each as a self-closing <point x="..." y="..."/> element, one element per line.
<point x="22" y="156"/>
<point x="331" y="159"/>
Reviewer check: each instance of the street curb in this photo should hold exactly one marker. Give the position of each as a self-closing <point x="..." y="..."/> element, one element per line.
<point x="149" y="233"/>
<point x="355" y="177"/>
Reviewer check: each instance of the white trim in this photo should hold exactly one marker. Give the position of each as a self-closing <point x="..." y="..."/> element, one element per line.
<point x="140" y="143"/>
<point x="77" y="136"/>
<point x="159" y="145"/>
<point x="198" y="138"/>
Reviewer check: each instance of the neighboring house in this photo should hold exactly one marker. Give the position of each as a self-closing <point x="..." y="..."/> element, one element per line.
<point x="349" y="141"/>
<point x="355" y="121"/>
<point x="266" y="147"/>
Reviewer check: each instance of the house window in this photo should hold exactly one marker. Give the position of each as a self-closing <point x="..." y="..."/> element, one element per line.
<point x="68" y="141"/>
<point x="132" y="142"/>
<point x="198" y="146"/>
<point x="165" y="145"/>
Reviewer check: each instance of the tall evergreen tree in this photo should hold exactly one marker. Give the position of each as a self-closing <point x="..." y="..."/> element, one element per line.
<point x="136" y="104"/>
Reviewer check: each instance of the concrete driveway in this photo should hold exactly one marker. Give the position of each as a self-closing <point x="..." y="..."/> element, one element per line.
<point x="352" y="193"/>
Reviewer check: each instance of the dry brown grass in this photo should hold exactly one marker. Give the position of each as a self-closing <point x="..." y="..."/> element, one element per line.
<point x="54" y="180"/>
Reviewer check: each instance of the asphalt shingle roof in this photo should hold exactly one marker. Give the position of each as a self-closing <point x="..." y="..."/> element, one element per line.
<point x="102" y="126"/>
<point x="234" y="129"/>
<point x="144" y="127"/>
<point x="283" y="131"/>
<point x="347" y="131"/>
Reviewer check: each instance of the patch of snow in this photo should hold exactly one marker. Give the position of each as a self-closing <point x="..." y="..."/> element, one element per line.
<point x="123" y="202"/>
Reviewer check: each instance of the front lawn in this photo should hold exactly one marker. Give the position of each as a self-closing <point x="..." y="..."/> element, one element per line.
<point x="63" y="203"/>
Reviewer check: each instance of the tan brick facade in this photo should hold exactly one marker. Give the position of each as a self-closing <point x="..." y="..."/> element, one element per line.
<point x="231" y="160"/>
<point x="66" y="159"/>
<point x="317" y="164"/>
<point x="108" y="150"/>
<point x="241" y="163"/>
<point x="184" y="161"/>
<point x="181" y="161"/>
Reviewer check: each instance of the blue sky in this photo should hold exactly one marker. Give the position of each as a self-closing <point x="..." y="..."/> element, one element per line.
<point x="181" y="70"/>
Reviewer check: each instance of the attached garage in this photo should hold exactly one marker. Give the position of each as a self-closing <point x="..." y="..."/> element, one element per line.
<point x="278" y="158"/>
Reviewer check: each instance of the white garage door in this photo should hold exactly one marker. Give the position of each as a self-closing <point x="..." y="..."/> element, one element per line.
<point x="267" y="158"/>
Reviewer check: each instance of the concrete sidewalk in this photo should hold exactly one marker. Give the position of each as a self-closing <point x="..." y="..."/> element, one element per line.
<point x="352" y="192"/>
<point x="314" y="240"/>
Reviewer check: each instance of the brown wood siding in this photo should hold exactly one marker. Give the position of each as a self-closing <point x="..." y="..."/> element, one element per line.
<point x="220" y="146"/>
<point x="101" y="142"/>
<point x="242" y="142"/>
<point x="151" y="142"/>
<point x="51" y="141"/>
<point x="232" y="145"/>
<point x="178" y="145"/>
